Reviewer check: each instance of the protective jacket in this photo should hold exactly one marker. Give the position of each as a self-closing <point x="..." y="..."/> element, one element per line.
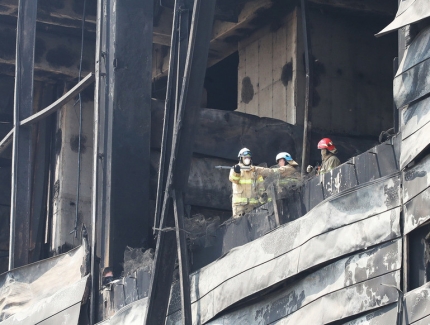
<point x="248" y="189"/>
<point x="330" y="162"/>
<point x="289" y="174"/>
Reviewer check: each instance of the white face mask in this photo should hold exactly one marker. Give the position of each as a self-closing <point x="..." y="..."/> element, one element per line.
<point x="246" y="161"/>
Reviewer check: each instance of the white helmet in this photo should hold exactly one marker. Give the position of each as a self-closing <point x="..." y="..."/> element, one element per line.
<point x="284" y="155"/>
<point x="244" y="152"/>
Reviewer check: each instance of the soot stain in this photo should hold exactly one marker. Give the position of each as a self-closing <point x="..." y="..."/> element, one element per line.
<point x="58" y="141"/>
<point x="247" y="90"/>
<point x="74" y="143"/>
<point x="287" y="73"/>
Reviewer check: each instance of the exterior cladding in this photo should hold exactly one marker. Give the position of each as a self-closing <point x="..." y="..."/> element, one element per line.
<point x="332" y="261"/>
<point x="315" y="298"/>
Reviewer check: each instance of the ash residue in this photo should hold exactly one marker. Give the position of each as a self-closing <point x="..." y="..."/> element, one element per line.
<point x="136" y="259"/>
<point x="199" y="226"/>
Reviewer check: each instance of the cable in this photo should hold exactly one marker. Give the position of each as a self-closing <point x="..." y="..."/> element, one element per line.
<point x="78" y="188"/>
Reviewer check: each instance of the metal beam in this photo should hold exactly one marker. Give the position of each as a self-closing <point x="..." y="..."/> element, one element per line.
<point x="125" y="124"/>
<point x="181" y="244"/>
<point x="60" y="102"/>
<point x="96" y="165"/>
<point x="181" y="154"/>
<point x="307" y="123"/>
<point x="22" y="147"/>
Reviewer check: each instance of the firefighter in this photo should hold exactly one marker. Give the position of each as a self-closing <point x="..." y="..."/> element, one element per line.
<point x="288" y="170"/>
<point x="248" y="184"/>
<point x="328" y="155"/>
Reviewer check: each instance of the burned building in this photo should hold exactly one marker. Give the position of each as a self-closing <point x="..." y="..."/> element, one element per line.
<point x="114" y="115"/>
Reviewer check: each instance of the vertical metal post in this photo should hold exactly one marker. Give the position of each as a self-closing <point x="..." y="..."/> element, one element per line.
<point x="307" y="124"/>
<point x="181" y="154"/>
<point x="181" y="243"/>
<point x="94" y="189"/>
<point x="125" y="121"/>
<point x="396" y="112"/>
<point x="169" y="114"/>
<point x="22" y="147"/>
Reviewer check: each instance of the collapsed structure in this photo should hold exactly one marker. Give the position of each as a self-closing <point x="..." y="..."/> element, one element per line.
<point x="118" y="114"/>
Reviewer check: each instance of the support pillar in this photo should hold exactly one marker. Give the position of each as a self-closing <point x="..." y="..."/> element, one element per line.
<point x="22" y="147"/>
<point x="125" y="117"/>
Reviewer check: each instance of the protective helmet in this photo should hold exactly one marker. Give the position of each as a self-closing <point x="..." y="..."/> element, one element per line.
<point x="326" y="143"/>
<point x="244" y="152"/>
<point x="284" y="155"/>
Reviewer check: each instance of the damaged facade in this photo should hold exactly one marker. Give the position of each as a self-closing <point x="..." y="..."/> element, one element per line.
<point x="114" y="115"/>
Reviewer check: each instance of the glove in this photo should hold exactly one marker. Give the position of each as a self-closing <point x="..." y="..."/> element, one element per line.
<point x="236" y="169"/>
<point x="309" y="169"/>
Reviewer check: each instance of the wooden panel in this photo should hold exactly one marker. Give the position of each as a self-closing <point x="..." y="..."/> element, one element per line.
<point x="241" y="73"/>
<point x="252" y="72"/>
<point x="265" y="57"/>
<point x="279" y="101"/>
<point x="280" y="52"/>
<point x="265" y="108"/>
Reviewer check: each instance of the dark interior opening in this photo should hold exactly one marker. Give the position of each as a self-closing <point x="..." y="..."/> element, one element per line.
<point x="419" y="257"/>
<point x="221" y="84"/>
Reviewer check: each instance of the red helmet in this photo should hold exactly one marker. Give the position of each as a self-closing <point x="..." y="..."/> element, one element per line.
<point x="326" y="143"/>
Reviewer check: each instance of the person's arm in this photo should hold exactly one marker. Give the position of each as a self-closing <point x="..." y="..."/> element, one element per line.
<point x="262" y="171"/>
<point x="234" y="177"/>
<point x="288" y="171"/>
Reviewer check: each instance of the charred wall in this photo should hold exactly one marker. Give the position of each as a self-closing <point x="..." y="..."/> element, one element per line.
<point x="353" y="72"/>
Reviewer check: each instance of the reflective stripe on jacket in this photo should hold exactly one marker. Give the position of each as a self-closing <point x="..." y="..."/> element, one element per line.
<point x="248" y="185"/>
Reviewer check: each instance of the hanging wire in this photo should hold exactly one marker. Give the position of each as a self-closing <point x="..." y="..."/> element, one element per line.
<point x="78" y="188"/>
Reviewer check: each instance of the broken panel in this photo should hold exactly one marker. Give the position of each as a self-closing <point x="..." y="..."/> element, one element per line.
<point x="410" y="11"/>
<point x="133" y="314"/>
<point x="417" y="305"/>
<point x="32" y="288"/>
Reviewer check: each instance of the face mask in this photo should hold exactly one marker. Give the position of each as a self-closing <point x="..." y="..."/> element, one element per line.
<point x="246" y="161"/>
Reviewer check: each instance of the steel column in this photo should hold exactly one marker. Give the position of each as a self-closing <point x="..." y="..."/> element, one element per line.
<point x="22" y="147"/>
<point x="307" y="124"/>
<point x="95" y="172"/>
<point x="181" y="154"/>
<point x="181" y="243"/>
<point x="125" y="121"/>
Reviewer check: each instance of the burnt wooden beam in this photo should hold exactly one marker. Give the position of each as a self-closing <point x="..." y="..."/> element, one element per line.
<point x="22" y="154"/>
<point x="63" y="13"/>
<point x="56" y="56"/>
<point x="182" y="149"/>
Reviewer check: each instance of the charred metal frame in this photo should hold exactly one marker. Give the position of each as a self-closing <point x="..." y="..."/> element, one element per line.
<point x="179" y="167"/>
<point x="307" y="123"/>
<point x="22" y="147"/>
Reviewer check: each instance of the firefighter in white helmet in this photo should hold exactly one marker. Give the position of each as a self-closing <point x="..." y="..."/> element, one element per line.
<point x="288" y="168"/>
<point x="248" y="184"/>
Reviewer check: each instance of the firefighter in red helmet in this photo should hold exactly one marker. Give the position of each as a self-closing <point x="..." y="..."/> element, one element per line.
<point x="328" y="155"/>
